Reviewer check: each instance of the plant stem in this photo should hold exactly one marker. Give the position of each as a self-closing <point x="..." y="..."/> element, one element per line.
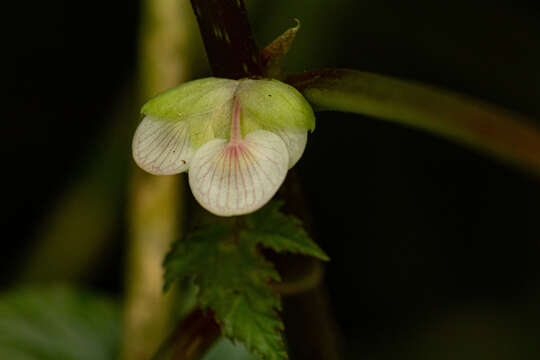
<point x="232" y="53"/>
<point x="311" y="330"/>
<point x="228" y="39"/>
<point x="191" y="338"/>
<point x="503" y="134"/>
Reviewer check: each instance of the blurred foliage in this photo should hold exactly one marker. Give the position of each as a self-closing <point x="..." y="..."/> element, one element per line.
<point x="470" y="332"/>
<point x="58" y="323"/>
<point x="81" y="227"/>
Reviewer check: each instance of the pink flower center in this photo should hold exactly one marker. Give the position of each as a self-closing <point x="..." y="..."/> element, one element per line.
<point x="236" y="132"/>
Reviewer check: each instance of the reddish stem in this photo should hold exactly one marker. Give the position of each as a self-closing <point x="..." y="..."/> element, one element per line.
<point x="228" y="39"/>
<point x="191" y="339"/>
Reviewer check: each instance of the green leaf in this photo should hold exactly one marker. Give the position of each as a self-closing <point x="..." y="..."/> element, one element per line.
<point x="232" y="279"/>
<point x="277" y="231"/>
<point x="223" y="259"/>
<point x="58" y="323"/>
<point x="468" y="121"/>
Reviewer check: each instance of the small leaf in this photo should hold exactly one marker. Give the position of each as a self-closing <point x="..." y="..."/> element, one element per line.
<point x="273" y="54"/>
<point x="273" y="229"/>
<point x="234" y="278"/>
<point x="233" y="281"/>
<point x="468" y="121"/>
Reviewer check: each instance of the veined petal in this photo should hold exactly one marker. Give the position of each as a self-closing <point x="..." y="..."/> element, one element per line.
<point x="295" y="141"/>
<point x="238" y="178"/>
<point x="162" y="147"/>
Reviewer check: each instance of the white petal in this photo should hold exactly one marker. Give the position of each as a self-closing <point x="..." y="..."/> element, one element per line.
<point x="162" y="147"/>
<point x="233" y="179"/>
<point x="296" y="141"/>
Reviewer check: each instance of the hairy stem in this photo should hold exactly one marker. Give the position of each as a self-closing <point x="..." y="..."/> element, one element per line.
<point x="228" y="39"/>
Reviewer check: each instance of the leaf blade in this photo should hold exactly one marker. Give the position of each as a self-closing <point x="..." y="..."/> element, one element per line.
<point x="282" y="233"/>
<point x="233" y="281"/>
<point x="234" y="278"/>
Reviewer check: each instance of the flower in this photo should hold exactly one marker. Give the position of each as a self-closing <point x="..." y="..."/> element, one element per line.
<point x="236" y="138"/>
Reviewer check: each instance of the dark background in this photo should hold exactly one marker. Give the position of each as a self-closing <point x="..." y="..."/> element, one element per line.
<point x="434" y="247"/>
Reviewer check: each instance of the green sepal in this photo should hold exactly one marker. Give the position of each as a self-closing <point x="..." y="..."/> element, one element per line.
<point x="207" y="105"/>
<point x="204" y="103"/>
<point x="271" y="104"/>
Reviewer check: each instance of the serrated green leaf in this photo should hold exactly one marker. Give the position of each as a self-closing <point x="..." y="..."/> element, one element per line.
<point x="51" y="323"/>
<point x="233" y="277"/>
<point x="184" y="259"/>
<point x="277" y="231"/>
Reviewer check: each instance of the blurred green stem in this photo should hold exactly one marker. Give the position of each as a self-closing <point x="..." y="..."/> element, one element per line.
<point x="156" y="204"/>
<point x="493" y="130"/>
